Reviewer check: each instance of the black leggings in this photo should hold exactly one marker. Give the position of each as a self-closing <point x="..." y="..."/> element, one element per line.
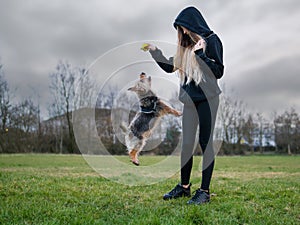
<point x="202" y="114"/>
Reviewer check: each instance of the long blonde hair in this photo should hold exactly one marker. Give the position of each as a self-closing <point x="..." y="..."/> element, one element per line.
<point x="185" y="59"/>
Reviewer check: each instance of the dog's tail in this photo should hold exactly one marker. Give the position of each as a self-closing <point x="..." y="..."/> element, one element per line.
<point x="123" y="127"/>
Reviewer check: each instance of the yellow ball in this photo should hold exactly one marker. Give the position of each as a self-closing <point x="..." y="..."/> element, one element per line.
<point x="145" y="47"/>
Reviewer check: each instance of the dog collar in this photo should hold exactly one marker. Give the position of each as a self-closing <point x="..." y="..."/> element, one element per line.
<point x="148" y="104"/>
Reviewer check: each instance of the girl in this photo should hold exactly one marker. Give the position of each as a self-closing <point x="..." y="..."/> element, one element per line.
<point x="199" y="63"/>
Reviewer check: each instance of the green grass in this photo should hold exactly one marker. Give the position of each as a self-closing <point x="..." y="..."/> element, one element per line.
<point x="63" y="189"/>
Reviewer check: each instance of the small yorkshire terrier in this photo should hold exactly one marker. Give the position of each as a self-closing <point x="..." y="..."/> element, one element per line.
<point x="144" y="122"/>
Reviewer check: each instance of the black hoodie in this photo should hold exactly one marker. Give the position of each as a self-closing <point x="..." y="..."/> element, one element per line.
<point x="211" y="60"/>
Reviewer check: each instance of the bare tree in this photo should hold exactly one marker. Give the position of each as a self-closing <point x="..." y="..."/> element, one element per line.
<point x="249" y="130"/>
<point x="226" y="117"/>
<point x="86" y="89"/>
<point x="24" y="120"/>
<point x="287" y="133"/>
<point x="62" y="88"/>
<point x="107" y="97"/>
<point x="231" y="119"/>
<point x="239" y="122"/>
<point x="24" y="116"/>
<point x="5" y="103"/>
<point x="84" y="112"/>
<point x="260" y="121"/>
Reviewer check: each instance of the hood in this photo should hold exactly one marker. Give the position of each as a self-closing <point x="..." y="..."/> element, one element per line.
<point x="193" y="20"/>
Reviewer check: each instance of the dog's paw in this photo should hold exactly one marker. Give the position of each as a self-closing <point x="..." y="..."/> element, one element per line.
<point x="179" y="113"/>
<point x="135" y="162"/>
<point x="133" y="155"/>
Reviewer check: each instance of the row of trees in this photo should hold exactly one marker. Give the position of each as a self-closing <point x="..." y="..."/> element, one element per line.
<point x="241" y="130"/>
<point x="23" y="130"/>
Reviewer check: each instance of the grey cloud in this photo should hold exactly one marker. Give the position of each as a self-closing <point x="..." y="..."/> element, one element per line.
<point x="36" y="34"/>
<point x="273" y="86"/>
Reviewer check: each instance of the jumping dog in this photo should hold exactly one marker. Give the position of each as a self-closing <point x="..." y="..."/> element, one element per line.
<point x="144" y="122"/>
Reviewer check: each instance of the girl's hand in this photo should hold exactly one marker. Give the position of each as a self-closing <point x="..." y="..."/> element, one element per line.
<point x="201" y="44"/>
<point x="146" y="47"/>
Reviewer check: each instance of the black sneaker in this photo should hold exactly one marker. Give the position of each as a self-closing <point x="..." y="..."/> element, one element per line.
<point x="201" y="197"/>
<point x="178" y="191"/>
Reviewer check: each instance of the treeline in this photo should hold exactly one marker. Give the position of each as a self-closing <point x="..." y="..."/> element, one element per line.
<point x="23" y="130"/>
<point x="244" y="132"/>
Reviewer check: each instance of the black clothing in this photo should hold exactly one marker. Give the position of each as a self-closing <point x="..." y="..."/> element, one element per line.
<point x="201" y="197"/>
<point x="177" y="192"/>
<point x="210" y="61"/>
<point x="205" y="113"/>
<point x="200" y="101"/>
<point x="192" y="19"/>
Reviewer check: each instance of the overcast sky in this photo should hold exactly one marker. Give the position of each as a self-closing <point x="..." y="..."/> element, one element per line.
<point x="260" y="37"/>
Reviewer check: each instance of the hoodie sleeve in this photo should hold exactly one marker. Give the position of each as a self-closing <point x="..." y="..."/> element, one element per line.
<point x="162" y="61"/>
<point x="213" y="56"/>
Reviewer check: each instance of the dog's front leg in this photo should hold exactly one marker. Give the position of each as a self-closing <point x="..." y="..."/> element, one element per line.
<point x="168" y="110"/>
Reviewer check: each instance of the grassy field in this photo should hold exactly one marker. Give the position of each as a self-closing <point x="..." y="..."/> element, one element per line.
<point x="63" y="189"/>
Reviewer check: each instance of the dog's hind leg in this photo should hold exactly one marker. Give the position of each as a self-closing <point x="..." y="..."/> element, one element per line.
<point x="133" y="155"/>
<point x="135" y="150"/>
